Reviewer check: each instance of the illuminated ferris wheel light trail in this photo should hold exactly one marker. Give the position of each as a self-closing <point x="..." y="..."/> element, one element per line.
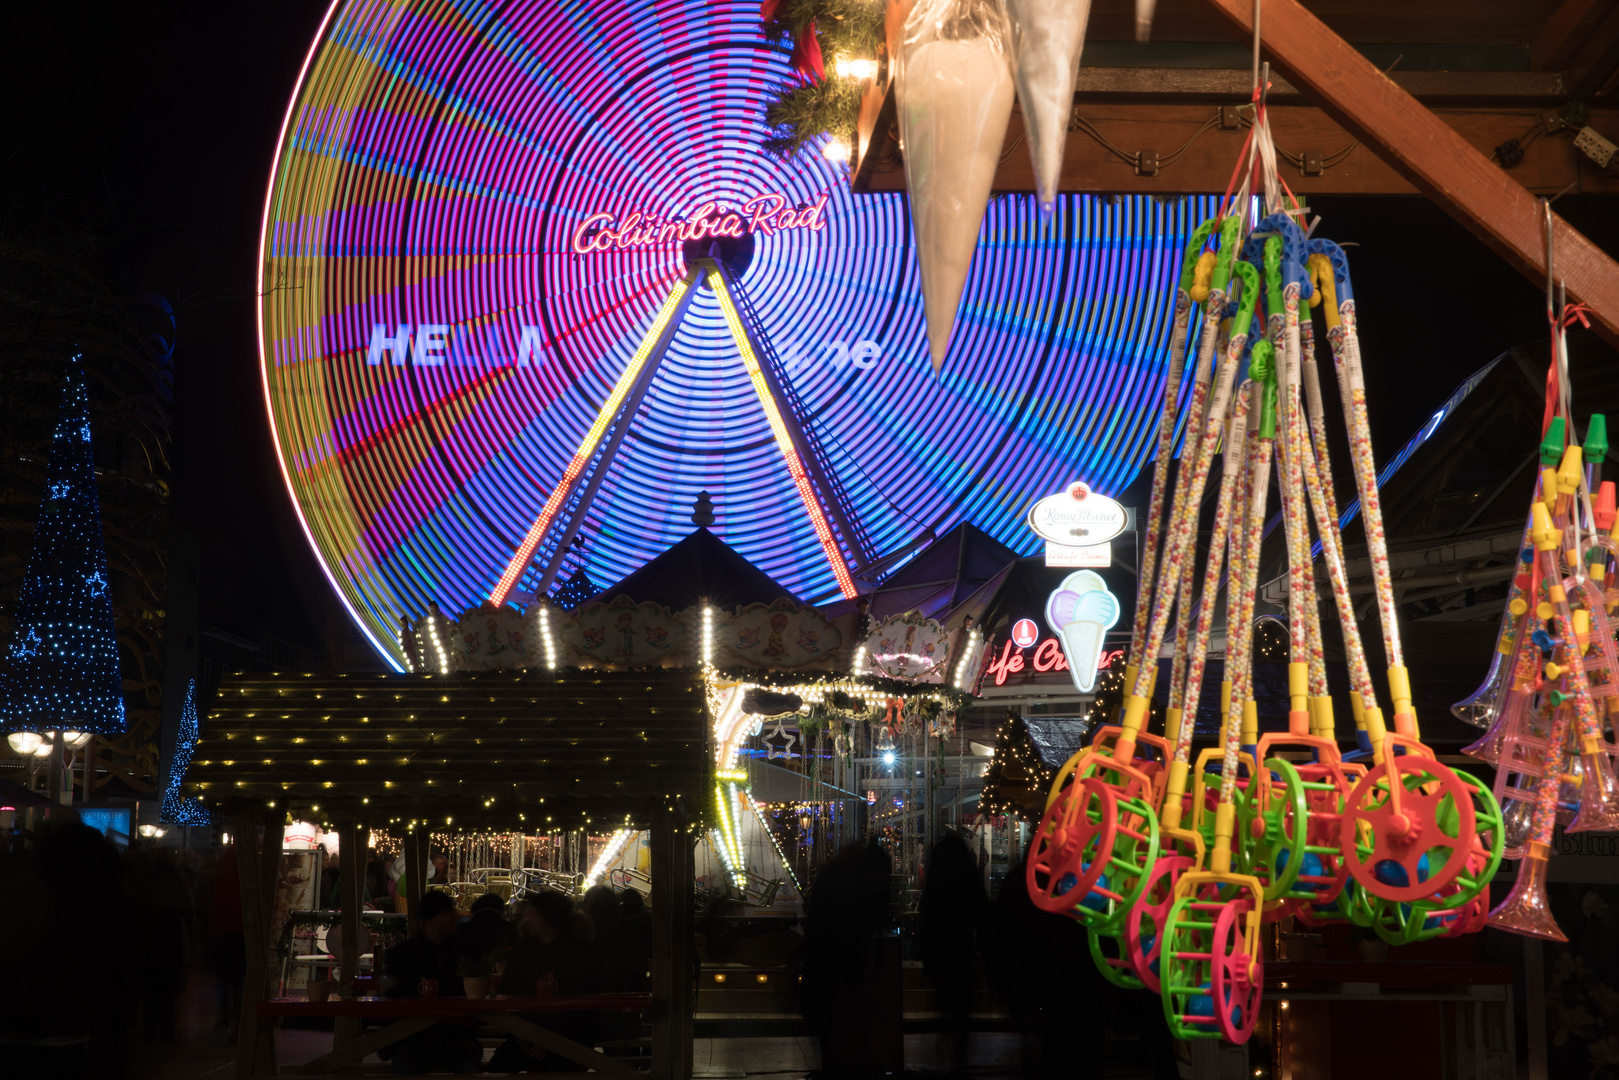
<point x="784" y="439"/>
<point x="656" y="337"/>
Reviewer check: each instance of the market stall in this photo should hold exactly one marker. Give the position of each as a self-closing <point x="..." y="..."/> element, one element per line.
<point x="509" y="751"/>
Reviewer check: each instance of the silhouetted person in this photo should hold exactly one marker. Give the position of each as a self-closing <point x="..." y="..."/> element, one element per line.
<point x="1044" y="966"/>
<point x="329" y="898"/>
<point x="163" y="908"/>
<point x="432" y="955"/>
<point x="636" y="923"/>
<point x="376" y="877"/>
<point x="614" y="951"/>
<point x="487" y="930"/>
<point x="227" y="945"/>
<point x="948" y="920"/>
<point x="549" y="958"/>
<point x="847" y="909"/>
<point x="66" y="950"/>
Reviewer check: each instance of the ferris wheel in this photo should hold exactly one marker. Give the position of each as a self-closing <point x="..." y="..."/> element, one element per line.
<point x="531" y="284"/>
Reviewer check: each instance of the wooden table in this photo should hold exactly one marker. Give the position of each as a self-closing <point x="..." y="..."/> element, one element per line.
<point x="408" y="1015"/>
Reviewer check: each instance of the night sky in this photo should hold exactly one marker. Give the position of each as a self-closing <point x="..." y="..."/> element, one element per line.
<point x="150" y="127"/>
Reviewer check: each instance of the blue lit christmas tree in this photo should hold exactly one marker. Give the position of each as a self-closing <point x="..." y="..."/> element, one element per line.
<point x="178" y="810"/>
<point x="61" y="670"/>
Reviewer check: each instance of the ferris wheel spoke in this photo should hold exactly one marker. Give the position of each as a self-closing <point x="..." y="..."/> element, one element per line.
<point x="632" y="383"/>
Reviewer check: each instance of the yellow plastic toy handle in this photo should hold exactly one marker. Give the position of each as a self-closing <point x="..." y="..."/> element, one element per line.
<point x="1325" y="287"/>
<point x="1202" y="277"/>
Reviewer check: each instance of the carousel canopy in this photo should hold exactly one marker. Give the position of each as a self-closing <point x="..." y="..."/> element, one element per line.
<point x="500" y="750"/>
<point x="955" y="575"/>
<point x="700" y="567"/>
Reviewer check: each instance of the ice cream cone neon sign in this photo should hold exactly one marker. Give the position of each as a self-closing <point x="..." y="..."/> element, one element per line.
<point x="1081" y="611"/>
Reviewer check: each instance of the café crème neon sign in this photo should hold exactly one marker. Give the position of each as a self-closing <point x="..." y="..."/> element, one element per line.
<point x="765" y="215"/>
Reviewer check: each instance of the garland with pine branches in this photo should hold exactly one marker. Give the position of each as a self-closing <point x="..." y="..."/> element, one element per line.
<point x="816" y="102"/>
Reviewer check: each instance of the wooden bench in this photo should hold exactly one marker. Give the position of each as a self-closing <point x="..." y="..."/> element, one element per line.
<point x="407" y="1016"/>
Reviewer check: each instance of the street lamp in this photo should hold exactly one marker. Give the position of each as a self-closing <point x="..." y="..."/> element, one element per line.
<point x="24" y="742"/>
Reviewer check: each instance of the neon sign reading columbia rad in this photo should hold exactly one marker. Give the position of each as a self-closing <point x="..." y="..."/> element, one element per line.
<point x="763" y="214"/>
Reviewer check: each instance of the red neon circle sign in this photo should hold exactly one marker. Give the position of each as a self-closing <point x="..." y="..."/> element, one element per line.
<point x="1025" y="633"/>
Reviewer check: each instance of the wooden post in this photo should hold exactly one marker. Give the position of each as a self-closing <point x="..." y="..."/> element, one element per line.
<point x="1432" y="155"/>
<point x="89" y="769"/>
<point x="54" y="778"/>
<point x="672" y="990"/>
<point x="1534" y="1004"/>
<point x="255" y="1042"/>
<point x="416" y="844"/>
<point x="351" y="889"/>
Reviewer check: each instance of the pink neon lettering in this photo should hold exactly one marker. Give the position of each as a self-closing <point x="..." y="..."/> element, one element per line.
<point x="762" y="207"/>
<point x="626" y="231"/>
<point x="815" y="217"/>
<point x="765" y="214"/>
<point x="582" y="244"/>
<point x="1048" y="656"/>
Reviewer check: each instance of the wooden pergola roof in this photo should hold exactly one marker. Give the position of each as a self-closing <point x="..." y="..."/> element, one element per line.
<point x="1344" y="123"/>
<point x="499" y="750"/>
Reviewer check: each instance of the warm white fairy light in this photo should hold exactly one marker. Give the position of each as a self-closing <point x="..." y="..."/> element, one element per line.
<point x="437" y="642"/>
<point x="836" y="149"/>
<point x="609" y="855"/>
<point x="730" y="722"/>
<point x="857" y="68"/>
<point x="405" y="650"/>
<point x="780" y="854"/>
<point x="964" y="667"/>
<point x="546" y="639"/>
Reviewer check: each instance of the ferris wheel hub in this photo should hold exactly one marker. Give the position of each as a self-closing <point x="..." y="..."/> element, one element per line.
<point x="736" y="252"/>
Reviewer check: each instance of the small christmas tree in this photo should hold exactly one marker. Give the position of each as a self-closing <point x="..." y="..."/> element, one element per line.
<point x="61" y="670"/>
<point x="178" y="810"/>
<point x="1017" y="779"/>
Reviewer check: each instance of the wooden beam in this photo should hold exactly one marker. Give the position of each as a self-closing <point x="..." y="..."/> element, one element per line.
<point x="1561" y="35"/>
<point x="1591" y="69"/>
<point x="359" y="1048"/>
<point x="528" y="1031"/>
<point x="1549" y="166"/>
<point x="1224" y="86"/>
<point x="1440" y="162"/>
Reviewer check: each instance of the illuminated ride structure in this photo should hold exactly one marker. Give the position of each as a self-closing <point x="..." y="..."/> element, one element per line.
<point x="825" y="504"/>
<point x="490" y="356"/>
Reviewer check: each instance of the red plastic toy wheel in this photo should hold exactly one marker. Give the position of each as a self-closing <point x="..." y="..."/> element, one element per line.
<point x="1072" y="846"/>
<point x="1236" y="992"/>
<point x="1407" y="843"/>
<point x="1144" y="924"/>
